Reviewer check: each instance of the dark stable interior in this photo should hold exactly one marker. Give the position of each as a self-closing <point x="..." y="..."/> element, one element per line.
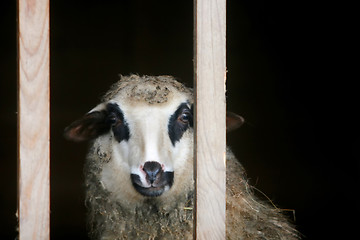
<point x="288" y="76"/>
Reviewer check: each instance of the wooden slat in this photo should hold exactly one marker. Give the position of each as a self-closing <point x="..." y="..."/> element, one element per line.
<point x="210" y="155"/>
<point x="33" y="119"/>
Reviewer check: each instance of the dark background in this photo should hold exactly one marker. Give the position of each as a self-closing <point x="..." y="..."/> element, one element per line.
<point x="290" y="74"/>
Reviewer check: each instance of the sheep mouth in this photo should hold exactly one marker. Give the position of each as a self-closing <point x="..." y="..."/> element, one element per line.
<point x="150" y="191"/>
<point x="155" y="189"/>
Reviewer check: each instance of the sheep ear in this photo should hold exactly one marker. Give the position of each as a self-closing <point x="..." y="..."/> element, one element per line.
<point x="88" y="127"/>
<point x="233" y="121"/>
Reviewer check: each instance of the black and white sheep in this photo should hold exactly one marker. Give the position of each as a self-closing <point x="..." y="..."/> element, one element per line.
<point x="139" y="169"/>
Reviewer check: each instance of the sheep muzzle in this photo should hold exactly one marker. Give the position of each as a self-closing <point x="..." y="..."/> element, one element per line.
<point x="157" y="180"/>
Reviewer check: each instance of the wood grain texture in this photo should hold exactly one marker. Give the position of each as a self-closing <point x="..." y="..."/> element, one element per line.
<point x="210" y="141"/>
<point x="33" y="119"/>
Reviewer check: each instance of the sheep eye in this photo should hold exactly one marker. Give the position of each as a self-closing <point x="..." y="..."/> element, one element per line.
<point x="117" y="123"/>
<point x="179" y="122"/>
<point x="185" y="116"/>
<point x="112" y="118"/>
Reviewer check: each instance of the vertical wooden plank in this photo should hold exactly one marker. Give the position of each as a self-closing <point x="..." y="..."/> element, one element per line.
<point x="33" y="119"/>
<point x="210" y="68"/>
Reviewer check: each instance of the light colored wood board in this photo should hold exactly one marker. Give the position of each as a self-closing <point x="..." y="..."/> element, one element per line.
<point x="33" y="120"/>
<point x="210" y="119"/>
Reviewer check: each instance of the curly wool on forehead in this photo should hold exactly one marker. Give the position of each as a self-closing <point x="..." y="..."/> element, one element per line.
<point x="149" y="89"/>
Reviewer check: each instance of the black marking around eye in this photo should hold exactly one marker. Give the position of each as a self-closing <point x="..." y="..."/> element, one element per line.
<point x="177" y="128"/>
<point x="119" y="126"/>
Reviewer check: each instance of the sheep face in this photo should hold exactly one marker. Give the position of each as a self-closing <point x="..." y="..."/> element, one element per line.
<point x="159" y="143"/>
<point x="147" y="127"/>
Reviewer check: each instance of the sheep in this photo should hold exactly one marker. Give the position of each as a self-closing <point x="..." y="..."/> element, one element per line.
<point x="139" y="169"/>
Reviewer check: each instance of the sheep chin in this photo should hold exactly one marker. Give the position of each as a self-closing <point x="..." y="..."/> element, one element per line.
<point x="156" y="189"/>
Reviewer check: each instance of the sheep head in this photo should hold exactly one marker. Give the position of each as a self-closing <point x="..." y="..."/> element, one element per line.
<point x="147" y="122"/>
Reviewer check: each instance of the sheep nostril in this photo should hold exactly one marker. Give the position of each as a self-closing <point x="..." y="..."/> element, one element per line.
<point x="152" y="170"/>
